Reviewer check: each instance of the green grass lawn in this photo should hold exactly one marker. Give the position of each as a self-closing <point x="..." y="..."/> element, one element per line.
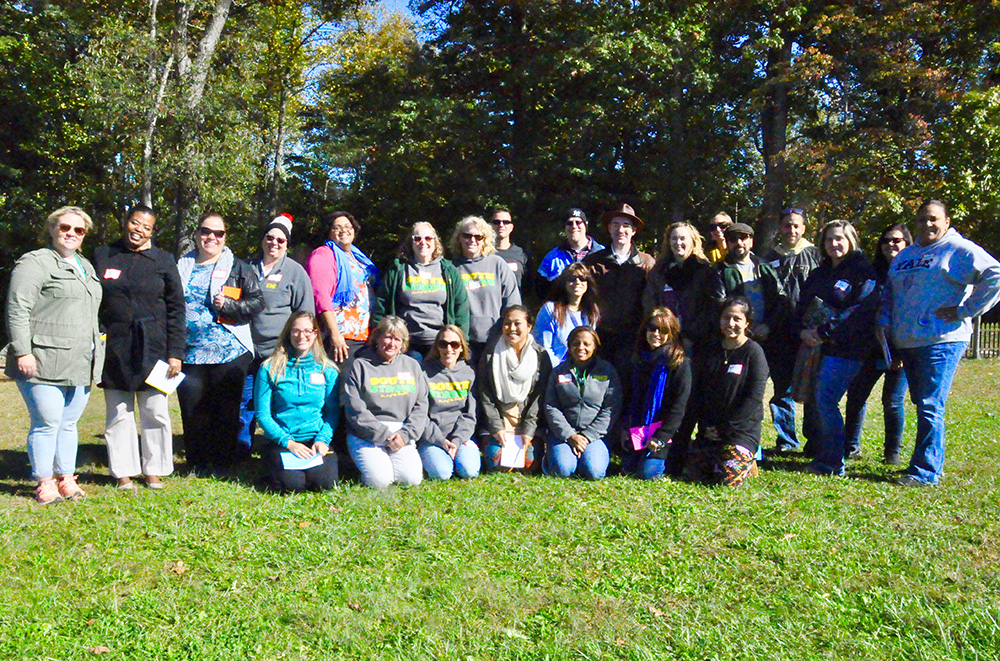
<point x="792" y="566"/>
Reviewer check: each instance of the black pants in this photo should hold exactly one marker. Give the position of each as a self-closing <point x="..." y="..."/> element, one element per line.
<point x="210" y="410"/>
<point x="321" y="477"/>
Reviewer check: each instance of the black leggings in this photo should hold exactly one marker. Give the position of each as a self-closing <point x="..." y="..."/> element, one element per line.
<point x="210" y="410"/>
<point x="319" y="478"/>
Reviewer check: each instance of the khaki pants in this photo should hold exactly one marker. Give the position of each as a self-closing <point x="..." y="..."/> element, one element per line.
<point x="157" y="442"/>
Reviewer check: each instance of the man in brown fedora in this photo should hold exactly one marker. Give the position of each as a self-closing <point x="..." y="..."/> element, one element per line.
<point x="620" y="273"/>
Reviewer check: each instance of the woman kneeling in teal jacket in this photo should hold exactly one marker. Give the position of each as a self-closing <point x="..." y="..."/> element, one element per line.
<point x="298" y="407"/>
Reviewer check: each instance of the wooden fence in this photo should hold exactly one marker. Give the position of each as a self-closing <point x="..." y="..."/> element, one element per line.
<point x="985" y="341"/>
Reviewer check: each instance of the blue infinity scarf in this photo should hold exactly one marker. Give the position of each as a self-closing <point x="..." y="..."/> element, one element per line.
<point x="657" y="385"/>
<point x="347" y="286"/>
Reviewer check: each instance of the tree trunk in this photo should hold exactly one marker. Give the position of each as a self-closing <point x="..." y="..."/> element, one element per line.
<point x="774" y="126"/>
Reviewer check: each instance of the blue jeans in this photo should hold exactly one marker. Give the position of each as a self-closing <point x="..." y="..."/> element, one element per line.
<point x="52" y="438"/>
<point x="244" y="438"/>
<point x="561" y="461"/>
<point x="930" y="371"/>
<point x="893" y="392"/>
<point x="783" y="406"/>
<point x="835" y="376"/>
<point x="641" y="465"/>
<point x="439" y="465"/>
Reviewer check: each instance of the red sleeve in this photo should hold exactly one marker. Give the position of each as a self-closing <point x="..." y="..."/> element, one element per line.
<point x="322" y="270"/>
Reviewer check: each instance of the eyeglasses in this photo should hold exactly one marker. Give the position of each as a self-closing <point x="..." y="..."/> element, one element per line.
<point x="790" y="211"/>
<point x="340" y="229"/>
<point x="502" y="221"/>
<point x="718" y="226"/>
<point x="206" y="231"/>
<point x="66" y="228"/>
<point x="892" y="239"/>
<point x="468" y="236"/>
<point x="305" y="332"/>
<point x="422" y="239"/>
<point x="280" y="240"/>
<point x="445" y="344"/>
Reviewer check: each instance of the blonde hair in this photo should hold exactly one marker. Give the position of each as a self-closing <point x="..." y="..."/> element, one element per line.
<point x="435" y="353"/>
<point x="667" y="255"/>
<point x="394" y="325"/>
<point x="489" y="240"/>
<point x="849" y="232"/>
<point x="53" y="219"/>
<point x="406" y="248"/>
<point x="279" y="359"/>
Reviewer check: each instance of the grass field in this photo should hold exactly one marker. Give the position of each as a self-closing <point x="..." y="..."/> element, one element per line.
<point x="793" y="566"/>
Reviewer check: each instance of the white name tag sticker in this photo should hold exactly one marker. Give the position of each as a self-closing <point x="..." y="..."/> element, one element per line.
<point x="735" y="369"/>
<point x="404" y="376"/>
<point x="112" y="274"/>
<point x="274" y="277"/>
<point x="424" y="275"/>
<point x="565" y="378"/>
<point x="317" y="379"/>
<point x="775" y="264"/>
<point x="842" y="285"/>
<point x="473" y="284"/>
<point x="667" y="288"/>
<point x="219" y="274"/>
<point x="513" y="266"/>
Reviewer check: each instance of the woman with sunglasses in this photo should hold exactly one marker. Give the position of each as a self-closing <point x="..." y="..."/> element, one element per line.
<point x="572" y="302"/>
<point x="489" y="282"/>
<point x="661" y="385"/>
<point x="298" y="407"/>
<point x="344" y="282"/>
<point x="894" y="388"/>
<point x="286" y="288"/>
<point x="447" y="444"/>
<point x="424" y="289"/>
<point x="55" y="350"/>
<point x="222" y="295"/>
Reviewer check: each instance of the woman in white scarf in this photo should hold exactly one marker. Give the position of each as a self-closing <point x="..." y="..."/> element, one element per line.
<point x="513" y="373"/>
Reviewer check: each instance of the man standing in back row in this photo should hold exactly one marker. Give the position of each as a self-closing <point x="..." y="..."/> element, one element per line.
<point x="793" y="257"/>
<point x="578" y="244"/>
<point x="620" y="274"/>
<point x="934" y="289"/>
<point x="514" y="255"/>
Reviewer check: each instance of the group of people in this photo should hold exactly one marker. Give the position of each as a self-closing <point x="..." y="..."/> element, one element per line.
<point x="435" y="367"/>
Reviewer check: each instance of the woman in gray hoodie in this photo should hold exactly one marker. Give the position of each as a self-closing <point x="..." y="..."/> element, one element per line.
<point x="385" y="402"/>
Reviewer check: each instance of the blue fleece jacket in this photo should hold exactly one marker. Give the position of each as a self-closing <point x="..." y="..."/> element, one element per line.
<point x="303" y="405"/>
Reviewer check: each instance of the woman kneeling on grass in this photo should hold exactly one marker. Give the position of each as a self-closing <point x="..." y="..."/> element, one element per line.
<point x="661" y="384"/>
<point x="730" y="377"/>
<point x="297" y="407"/>
<point x="446" y="445"/>
<point x="582" y="403"/>
<point x="513" y="372"/>
<point x="385" y="401"/>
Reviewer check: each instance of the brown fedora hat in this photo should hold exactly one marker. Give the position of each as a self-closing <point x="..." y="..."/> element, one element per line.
<point x="626" y="211"/>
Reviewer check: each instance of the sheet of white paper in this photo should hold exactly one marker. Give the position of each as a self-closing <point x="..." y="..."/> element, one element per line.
<point x="512" y="454"/>
<point x="392" y="425"/>
<point x="158" y="378"/>
<point x="291" y="462"/>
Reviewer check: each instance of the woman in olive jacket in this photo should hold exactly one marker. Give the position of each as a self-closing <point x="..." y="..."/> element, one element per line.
<point x="55" y="350"/>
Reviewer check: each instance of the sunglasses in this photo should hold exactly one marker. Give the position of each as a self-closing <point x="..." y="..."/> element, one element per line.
<point x="718" y="226"/>
<point x="424" y="239"/>
<point x="206" y="231"/>
<point x="892" y="239"/>
<point x="280" y="240"/>
<point x="501" y="221"/>
<point x="472" y="237"/>
<point x="66" y="229"/>
<point x="573" y="279"/>
<point x="445" y="344"/>
<point x="575" y="222"/>
<point x="790" y="211"/>
<point x="653" y="328"/>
